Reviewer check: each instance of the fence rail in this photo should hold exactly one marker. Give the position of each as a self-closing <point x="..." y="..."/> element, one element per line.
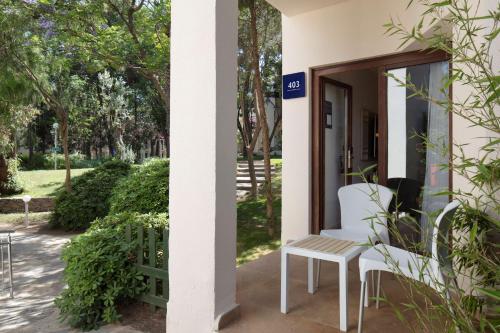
<point x="152" y="262"/>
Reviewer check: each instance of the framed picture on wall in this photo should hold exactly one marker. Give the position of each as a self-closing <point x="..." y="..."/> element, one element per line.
<point x="328" y="114"/>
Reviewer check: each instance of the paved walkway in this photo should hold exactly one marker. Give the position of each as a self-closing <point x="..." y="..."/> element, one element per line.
<point x="37" y="281"/>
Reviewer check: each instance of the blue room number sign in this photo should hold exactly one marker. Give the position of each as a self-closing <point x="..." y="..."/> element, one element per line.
<point x="294" y="85"/>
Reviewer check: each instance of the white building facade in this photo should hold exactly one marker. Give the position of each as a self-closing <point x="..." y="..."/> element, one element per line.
<point x="339" y="44"/>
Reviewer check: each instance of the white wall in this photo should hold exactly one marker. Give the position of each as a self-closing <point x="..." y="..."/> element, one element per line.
<point x="396" y="115"/>
<point x="334" y="139"/>
<point x="347" y="31"/>
<point x="202" y="244"/>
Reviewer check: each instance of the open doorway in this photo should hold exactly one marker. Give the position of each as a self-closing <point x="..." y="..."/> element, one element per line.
<point x="350" y="133"/>
<point x="363" y="117"/>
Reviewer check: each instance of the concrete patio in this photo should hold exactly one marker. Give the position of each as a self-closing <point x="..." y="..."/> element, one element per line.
<point x="38" y="271"/>
<point x="258" y="293"/>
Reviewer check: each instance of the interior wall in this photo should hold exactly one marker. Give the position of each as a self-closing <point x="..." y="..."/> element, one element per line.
<point x="350" y="30"/>
<point x="364" y="98"/>
<point x="333" y="149"/>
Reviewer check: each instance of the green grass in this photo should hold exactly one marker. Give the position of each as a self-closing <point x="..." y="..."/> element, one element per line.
<point x="43" y="183"/>
<point x="253" y="239"/>
<point x="19" y="218"/>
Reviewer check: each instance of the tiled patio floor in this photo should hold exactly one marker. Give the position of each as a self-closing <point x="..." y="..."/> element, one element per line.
<point x="258" y="293"/>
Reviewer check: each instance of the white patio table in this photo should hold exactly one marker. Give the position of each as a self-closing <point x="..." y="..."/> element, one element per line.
<point x="324" y="248"/>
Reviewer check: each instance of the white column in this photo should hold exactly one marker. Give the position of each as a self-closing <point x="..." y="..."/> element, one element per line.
<point x="202" y="241"/>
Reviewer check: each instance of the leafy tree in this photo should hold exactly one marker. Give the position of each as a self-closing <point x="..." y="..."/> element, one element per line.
<point x="31" y="47"/>
<point x="260" y="54"/>
<point x="16" y="110"/>
<point x="115" y="110"/>
<point x="127" y="35"/>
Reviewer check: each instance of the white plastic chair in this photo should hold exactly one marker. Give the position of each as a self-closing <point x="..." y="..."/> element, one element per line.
<point x="431" y="271"/>
<point x="361" y="220"/>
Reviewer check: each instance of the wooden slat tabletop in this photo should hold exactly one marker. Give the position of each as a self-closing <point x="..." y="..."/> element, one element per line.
<point x="324" y="244"/>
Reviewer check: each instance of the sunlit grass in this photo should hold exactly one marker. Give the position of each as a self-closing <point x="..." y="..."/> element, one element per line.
<point x="34" y="218"/>
<point x="253" y="239"/>
<point x="43" y="183"/>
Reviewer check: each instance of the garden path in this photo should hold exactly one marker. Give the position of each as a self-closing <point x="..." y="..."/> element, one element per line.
<point x="38" y="280"/>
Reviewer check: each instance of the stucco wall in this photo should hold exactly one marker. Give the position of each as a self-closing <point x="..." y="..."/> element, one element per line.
<point x="347" y="31"/>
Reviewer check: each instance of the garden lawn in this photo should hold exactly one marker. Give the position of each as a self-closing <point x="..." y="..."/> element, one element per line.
<point x="253" y="240"/>
<point x="34" y="218"/>
<point x="43" y="183"/>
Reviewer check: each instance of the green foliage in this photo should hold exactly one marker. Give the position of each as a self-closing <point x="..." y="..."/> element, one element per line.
<point x="145" y="190"/>
<point x="41" y="161"/>
<point x="89" y="198"/>
<point x="14" y="184"/>
<point x="474" y="245"/>
<point x="253" y="238"/>
<point x="100" y="270"/>
<point x="120" y="221"/>
<point x="99" y="274"/>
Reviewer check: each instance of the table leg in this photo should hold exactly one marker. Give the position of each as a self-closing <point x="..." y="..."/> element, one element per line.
<point x="311" y="288"/>
<point x="284" y="281"/>
<point x="343" y="291"/>
<point x="367" y="291"/>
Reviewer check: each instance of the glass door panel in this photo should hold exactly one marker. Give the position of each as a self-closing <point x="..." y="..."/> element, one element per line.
<point x="337" y="149"/>
<point x="418" y="136"/>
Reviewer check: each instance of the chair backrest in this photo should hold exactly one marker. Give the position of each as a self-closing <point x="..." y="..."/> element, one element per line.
<point x="441" y="238"/>
<point x="359" y="203"/>
<point x="407" y="194"/>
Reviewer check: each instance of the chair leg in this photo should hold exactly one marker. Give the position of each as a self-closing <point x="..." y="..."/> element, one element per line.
<point x="318" y="273"/>
<point x="367" y="292"/>
<point x="361" y="306"/>
<point x="377" y="302"/>
<point x="449" y="301"/>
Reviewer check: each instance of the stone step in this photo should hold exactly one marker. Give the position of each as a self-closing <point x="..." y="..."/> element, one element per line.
<point x="245" y="169"/>
<point x="245" y="186"/>
<point x="244" y="179"/>
<point x="255" y="162"/>
<point x="257" y="174"/>
<point x="256" y="165"/>
<point x="242" y="194"/>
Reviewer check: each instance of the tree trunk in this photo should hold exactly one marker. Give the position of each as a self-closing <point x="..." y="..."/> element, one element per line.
<point x="249" y="144"/>
<point x="259" y="96"/>
<point x="30" y="142"/>
<point x="63" y="118"/>
<point x="164" y="93"/>
<point x="276" y="128"/>
<point x="3" y="169"/>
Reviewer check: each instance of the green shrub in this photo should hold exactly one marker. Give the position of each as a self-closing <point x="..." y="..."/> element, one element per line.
<point x="120" y="221"/>
<point x="100" y="270"/>
<point x="89" y="198"/>
<point x="145" y="190"/>
<point x="99" y="274"/>
<point x="40" y="161"/>
<point x="14" y="184"/>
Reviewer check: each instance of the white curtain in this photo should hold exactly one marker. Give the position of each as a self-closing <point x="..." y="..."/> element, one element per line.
<point x="437" y="154"/>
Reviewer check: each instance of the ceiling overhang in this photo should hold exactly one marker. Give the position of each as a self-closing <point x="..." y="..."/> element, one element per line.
<point x="296" y="7"/>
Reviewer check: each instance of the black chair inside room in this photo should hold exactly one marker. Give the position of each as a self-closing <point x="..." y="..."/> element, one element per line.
<point x="405" y="205"/>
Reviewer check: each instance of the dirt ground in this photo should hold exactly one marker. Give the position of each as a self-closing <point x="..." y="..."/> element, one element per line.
<point x="38" y="280"/>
